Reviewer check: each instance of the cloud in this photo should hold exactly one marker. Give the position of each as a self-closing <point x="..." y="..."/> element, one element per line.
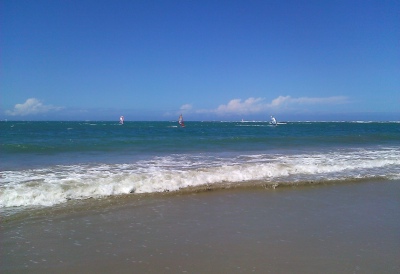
<point x="186" y="107"/>
<point x="279" y="101"/>
<point x="31" y="106"/>
<point x="257" y="105"/>
<point x="288" y="100"/>
<point x="250" y="105"/>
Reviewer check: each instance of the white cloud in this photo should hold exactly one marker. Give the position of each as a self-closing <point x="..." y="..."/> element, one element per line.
<point x="288" y="100"/>
<point x="250" y="105"/>
<point x="258" y="105"/>
<point x="279" y="101"/>
<point x="186" y="107"/>
<point x="31" y="106"/>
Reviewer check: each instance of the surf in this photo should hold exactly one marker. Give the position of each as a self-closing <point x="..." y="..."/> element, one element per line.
<point x="58" y="184"/>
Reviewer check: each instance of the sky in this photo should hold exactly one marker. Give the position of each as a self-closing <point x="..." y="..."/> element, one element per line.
<point x="209" y="60"/>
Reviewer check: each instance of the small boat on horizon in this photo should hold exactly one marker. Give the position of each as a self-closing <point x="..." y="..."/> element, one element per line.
<point x="180" y="121"/>
<point x="273" y="121"/>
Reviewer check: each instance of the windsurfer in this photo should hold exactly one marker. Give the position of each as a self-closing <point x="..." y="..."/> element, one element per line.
<point x="273" y="120"/>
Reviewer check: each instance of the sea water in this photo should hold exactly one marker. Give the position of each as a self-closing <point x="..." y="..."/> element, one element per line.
<point x="44" y="164"/>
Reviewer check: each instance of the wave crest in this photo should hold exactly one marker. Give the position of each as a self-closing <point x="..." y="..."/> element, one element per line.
<point x="58" y="184"/>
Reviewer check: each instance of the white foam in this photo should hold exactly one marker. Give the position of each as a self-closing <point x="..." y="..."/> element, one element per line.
<point x="54" y="185"/>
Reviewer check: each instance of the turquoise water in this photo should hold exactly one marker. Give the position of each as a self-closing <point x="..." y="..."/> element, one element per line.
<point x="48" y="163"/>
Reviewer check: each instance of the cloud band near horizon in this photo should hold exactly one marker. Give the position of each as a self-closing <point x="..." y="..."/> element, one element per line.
<point x="257" y="105"/>
<point x="30" y="107"/>
<point x="33" y="106"/>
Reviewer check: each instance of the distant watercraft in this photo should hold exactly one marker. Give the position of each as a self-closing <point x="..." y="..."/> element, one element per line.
<point x="121" y="120"/>
<point x="180" y="121"/>
<point x="273" y="121"/>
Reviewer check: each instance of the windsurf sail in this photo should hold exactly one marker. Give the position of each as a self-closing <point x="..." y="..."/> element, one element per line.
<point x="273" y="120"/>
<point x="121" y="120"/>
<point x="180" y="121"/>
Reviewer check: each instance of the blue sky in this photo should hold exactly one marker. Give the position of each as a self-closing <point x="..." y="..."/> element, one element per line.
<point x="210" y="60"/>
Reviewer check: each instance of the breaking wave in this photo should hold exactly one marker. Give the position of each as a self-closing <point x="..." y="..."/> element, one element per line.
<point x="58" y="184"/>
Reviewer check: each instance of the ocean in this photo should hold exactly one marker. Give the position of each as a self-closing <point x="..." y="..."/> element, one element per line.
<point x="52" y="167"/>
<point x="49" y="163"/>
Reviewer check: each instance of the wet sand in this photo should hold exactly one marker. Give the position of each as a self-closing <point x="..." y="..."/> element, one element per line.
<point x="341" y="228"/>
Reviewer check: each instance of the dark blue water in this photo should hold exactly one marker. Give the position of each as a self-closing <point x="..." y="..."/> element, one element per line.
<point x="141" y="139"/>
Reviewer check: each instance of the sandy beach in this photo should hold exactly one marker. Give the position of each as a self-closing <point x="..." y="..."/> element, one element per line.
<point x="215" y="137"/>
<point x="341" y="228"/>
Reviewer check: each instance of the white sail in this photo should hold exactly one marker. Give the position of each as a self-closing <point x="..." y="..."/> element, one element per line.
<point x="121" y="120"/>
<point x="180" y="121"/>
<point x="273" y="120"/>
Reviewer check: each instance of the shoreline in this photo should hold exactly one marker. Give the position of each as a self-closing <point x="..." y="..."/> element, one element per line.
<point x="324" y="228"/>
<point x="122" y="199"/>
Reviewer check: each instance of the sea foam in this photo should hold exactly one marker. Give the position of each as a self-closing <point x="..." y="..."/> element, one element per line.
<point x="58" y="184"/>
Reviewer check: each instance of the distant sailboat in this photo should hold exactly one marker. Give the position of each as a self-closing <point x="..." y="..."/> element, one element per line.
<point x="180" y="121"/>
<point x="121" y="120"/>
<point x="273" y="120"/>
